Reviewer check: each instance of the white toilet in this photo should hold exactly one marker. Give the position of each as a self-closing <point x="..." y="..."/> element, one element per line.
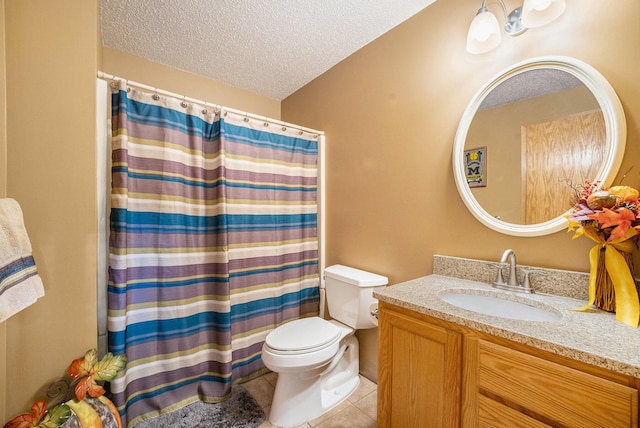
<point x="317" y="360"/>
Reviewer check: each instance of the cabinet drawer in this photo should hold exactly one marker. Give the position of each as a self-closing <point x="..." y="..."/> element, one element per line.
<point x="494" y="414"/>
<point x="552" y="393"/>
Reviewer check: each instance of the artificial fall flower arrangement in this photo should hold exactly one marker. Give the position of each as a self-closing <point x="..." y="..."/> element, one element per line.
<point x="611" y="218"/>
<point x="87" y="373"/>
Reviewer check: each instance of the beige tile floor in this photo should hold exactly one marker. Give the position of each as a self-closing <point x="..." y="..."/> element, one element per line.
<point x="358" y="411"/>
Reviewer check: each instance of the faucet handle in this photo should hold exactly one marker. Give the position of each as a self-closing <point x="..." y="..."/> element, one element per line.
<point x="525" y="280"/>
<point x="499" y="277"/>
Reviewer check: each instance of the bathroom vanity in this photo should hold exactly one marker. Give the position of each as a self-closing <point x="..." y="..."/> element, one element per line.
<point x="455" y="352"/>
<point x="441" y="365"/>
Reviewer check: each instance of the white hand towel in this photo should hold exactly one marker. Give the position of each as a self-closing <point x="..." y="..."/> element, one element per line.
<point x="20" y="284"/>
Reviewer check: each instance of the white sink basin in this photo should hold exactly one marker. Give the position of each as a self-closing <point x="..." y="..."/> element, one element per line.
<point x="499" y="307"/>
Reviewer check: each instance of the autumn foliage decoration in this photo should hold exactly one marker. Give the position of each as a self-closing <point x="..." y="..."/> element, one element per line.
<point x="89" y="371"/>
<point x="87" y="374"/>
<point x="40" y="417"/>
<point x="611" y="218"/>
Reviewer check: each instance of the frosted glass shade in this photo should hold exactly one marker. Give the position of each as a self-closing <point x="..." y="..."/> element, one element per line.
<point x="484" y="33"/>
<point x="536" y="13"/>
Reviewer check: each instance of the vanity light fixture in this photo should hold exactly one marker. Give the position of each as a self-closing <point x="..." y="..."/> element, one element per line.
<point x="484" y="32"/>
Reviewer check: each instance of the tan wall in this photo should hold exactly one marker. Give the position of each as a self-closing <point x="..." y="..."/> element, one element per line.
<point x="52" y="57"/>
<point x="390" y="113"/>
<point x="50" y="165"/>
<point x="3" y="193"/>
<point x="180" y="82"/>
<point x="3" y="111"/>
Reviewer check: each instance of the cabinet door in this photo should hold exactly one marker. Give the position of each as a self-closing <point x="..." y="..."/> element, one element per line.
<point x="510" y="381"/>
<point x="419" y="370"/>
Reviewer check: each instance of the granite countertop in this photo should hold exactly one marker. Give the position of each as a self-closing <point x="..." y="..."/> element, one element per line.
<point x="593" y="337"/>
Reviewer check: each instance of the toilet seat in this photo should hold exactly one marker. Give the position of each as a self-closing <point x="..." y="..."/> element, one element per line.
<point x="303" y="336"/>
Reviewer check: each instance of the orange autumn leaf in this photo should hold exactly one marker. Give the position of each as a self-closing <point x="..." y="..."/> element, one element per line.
<point x="611" y="218"/>
<point x="22" y="421"/>
<point x="82" y="366"/>
<point x="38" y="410"/>
<point x="88" y="385"/>
<point x="620" y="220"/>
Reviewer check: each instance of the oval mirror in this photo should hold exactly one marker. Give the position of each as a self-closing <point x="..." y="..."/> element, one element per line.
<point x="529" y="133"/>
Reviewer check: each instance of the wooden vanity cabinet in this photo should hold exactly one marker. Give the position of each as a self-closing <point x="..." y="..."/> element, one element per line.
<point x="432" y="373"/>
<point x="419" y="372"/>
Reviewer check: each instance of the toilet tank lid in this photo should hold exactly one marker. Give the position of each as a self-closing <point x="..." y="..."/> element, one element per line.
<point x="355" y="276"/>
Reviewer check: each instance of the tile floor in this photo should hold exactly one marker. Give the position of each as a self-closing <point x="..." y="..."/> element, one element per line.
<point x="358" y="411"/>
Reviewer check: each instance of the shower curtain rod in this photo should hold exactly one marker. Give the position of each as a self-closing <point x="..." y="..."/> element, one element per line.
<point x="106" y="76"/>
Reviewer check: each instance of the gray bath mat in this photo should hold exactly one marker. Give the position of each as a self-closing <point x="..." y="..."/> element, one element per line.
<point x="239" y="411"/>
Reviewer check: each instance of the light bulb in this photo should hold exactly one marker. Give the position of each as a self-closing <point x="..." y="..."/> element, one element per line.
<point x="484" y="32"/>
<point x="536" y="13"/>
<point x="541" y="4"/>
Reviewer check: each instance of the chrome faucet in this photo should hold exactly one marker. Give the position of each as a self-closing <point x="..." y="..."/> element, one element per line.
<point x="512" y="279"/>
<point x="511" y="283"/>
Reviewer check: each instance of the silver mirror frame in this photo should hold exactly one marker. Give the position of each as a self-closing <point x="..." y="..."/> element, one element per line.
<point x="614" y="120"/>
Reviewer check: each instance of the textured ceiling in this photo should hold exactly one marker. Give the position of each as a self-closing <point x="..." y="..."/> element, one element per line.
<point x="268" y="47"/>
<point x="529" y="84"/>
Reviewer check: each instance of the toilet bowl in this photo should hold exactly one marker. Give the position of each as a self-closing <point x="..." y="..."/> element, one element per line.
<point x="317" y="359"/>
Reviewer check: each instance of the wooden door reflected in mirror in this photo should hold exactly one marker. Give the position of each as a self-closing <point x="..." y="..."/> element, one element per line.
<point x="555" y="154"/>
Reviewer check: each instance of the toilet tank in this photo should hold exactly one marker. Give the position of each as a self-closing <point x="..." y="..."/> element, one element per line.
<point x="350" y="294"/>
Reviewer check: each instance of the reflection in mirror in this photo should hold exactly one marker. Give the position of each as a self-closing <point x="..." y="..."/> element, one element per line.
<point x="541" y="129"/>
<point x="530" y="131"/>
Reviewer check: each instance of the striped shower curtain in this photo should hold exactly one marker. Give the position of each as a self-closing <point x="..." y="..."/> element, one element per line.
<point x="213" y="243"/>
